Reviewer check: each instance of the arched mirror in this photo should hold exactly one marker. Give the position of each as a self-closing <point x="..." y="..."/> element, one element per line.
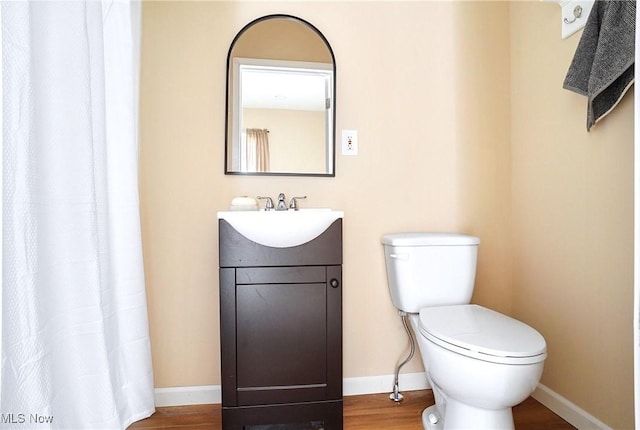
<point x="280" y="100"/>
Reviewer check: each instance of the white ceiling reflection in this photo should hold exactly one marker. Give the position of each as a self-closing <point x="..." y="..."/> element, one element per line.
<point x="282" y="88"/>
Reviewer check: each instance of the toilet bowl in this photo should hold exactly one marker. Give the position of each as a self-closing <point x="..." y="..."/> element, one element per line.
<point x="479" y="362"/>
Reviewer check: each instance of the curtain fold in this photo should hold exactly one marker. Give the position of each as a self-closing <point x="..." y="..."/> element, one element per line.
<point x="257" y="150"/>
<point x="636" y="288"/>
<point x="75" y="339"/>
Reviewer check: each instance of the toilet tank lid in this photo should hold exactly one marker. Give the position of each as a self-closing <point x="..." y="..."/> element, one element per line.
<point x="429" y="239"/>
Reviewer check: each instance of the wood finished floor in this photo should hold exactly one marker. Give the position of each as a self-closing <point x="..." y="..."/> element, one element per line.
<point x="370" y="412"/>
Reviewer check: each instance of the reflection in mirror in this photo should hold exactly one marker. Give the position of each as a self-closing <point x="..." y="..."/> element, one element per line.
<point x="280" y="100"/>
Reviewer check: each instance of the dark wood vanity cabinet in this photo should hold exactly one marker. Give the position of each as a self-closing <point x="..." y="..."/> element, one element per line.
<point x="281" y="332"/>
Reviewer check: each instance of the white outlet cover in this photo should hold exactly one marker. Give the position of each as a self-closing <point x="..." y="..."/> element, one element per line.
<point x="349" y="142"/>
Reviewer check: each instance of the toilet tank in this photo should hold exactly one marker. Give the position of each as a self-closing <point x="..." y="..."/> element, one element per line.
<point x="430" y="269"/>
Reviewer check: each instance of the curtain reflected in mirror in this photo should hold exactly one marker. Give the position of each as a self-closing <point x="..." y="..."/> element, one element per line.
<point x="255" y="146"/>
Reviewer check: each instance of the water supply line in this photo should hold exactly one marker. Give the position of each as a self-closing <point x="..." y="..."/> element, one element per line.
<point x="396" y="396"/>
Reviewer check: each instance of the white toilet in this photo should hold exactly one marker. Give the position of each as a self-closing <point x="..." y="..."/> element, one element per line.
<point x="479" y="362"/>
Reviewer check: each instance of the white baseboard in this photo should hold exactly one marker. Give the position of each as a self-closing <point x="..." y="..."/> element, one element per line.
<point x="384" y="384"/>
<point x="182" y="396"/>
<point x="568" y="411"/>
<point x="209" y="394"/>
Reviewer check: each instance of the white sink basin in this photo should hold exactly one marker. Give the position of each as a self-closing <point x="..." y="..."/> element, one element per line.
<point x="281" y="229"/>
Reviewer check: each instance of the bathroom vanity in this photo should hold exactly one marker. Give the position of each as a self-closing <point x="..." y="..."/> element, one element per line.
<point x="281" y="323"/>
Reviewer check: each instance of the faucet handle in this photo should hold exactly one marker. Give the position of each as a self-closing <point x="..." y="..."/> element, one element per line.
<point x="269" y="206"/>
<point x="294" y="202"/>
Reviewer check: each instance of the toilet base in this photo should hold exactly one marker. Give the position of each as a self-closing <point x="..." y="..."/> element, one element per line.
<point x="431" y="419"/>
<point x="461" y="416"/>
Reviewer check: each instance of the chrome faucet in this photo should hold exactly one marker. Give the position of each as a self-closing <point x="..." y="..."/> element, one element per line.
<point x="282" y="205"/>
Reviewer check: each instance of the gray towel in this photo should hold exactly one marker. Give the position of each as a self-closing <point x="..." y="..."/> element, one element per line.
<point x="603" y="66"/>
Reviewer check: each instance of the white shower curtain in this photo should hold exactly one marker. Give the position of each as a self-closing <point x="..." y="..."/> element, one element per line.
<point x="636" y="265"/>
<point x="75" y="340"/>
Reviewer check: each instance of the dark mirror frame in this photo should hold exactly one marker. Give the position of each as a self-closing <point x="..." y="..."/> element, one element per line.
<point x="230" y="97"/>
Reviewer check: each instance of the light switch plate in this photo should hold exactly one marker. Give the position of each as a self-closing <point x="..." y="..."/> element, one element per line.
<point x="349" y="142"/>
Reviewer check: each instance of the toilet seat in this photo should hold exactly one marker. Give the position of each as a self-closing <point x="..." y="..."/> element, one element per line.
<point x="483" y="334"/>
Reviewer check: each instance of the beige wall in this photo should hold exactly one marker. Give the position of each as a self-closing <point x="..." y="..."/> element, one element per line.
<point x="297" y="138"/>
<point x="444" y="95"/>
<point x="573" y="222"/>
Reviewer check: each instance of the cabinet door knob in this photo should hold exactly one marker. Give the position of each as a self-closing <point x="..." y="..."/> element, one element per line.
<point x="334" y="283"/>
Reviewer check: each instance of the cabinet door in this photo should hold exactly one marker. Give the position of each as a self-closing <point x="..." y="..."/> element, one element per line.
<point x="281" y="335"/>
<point x="281" y="343"/>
